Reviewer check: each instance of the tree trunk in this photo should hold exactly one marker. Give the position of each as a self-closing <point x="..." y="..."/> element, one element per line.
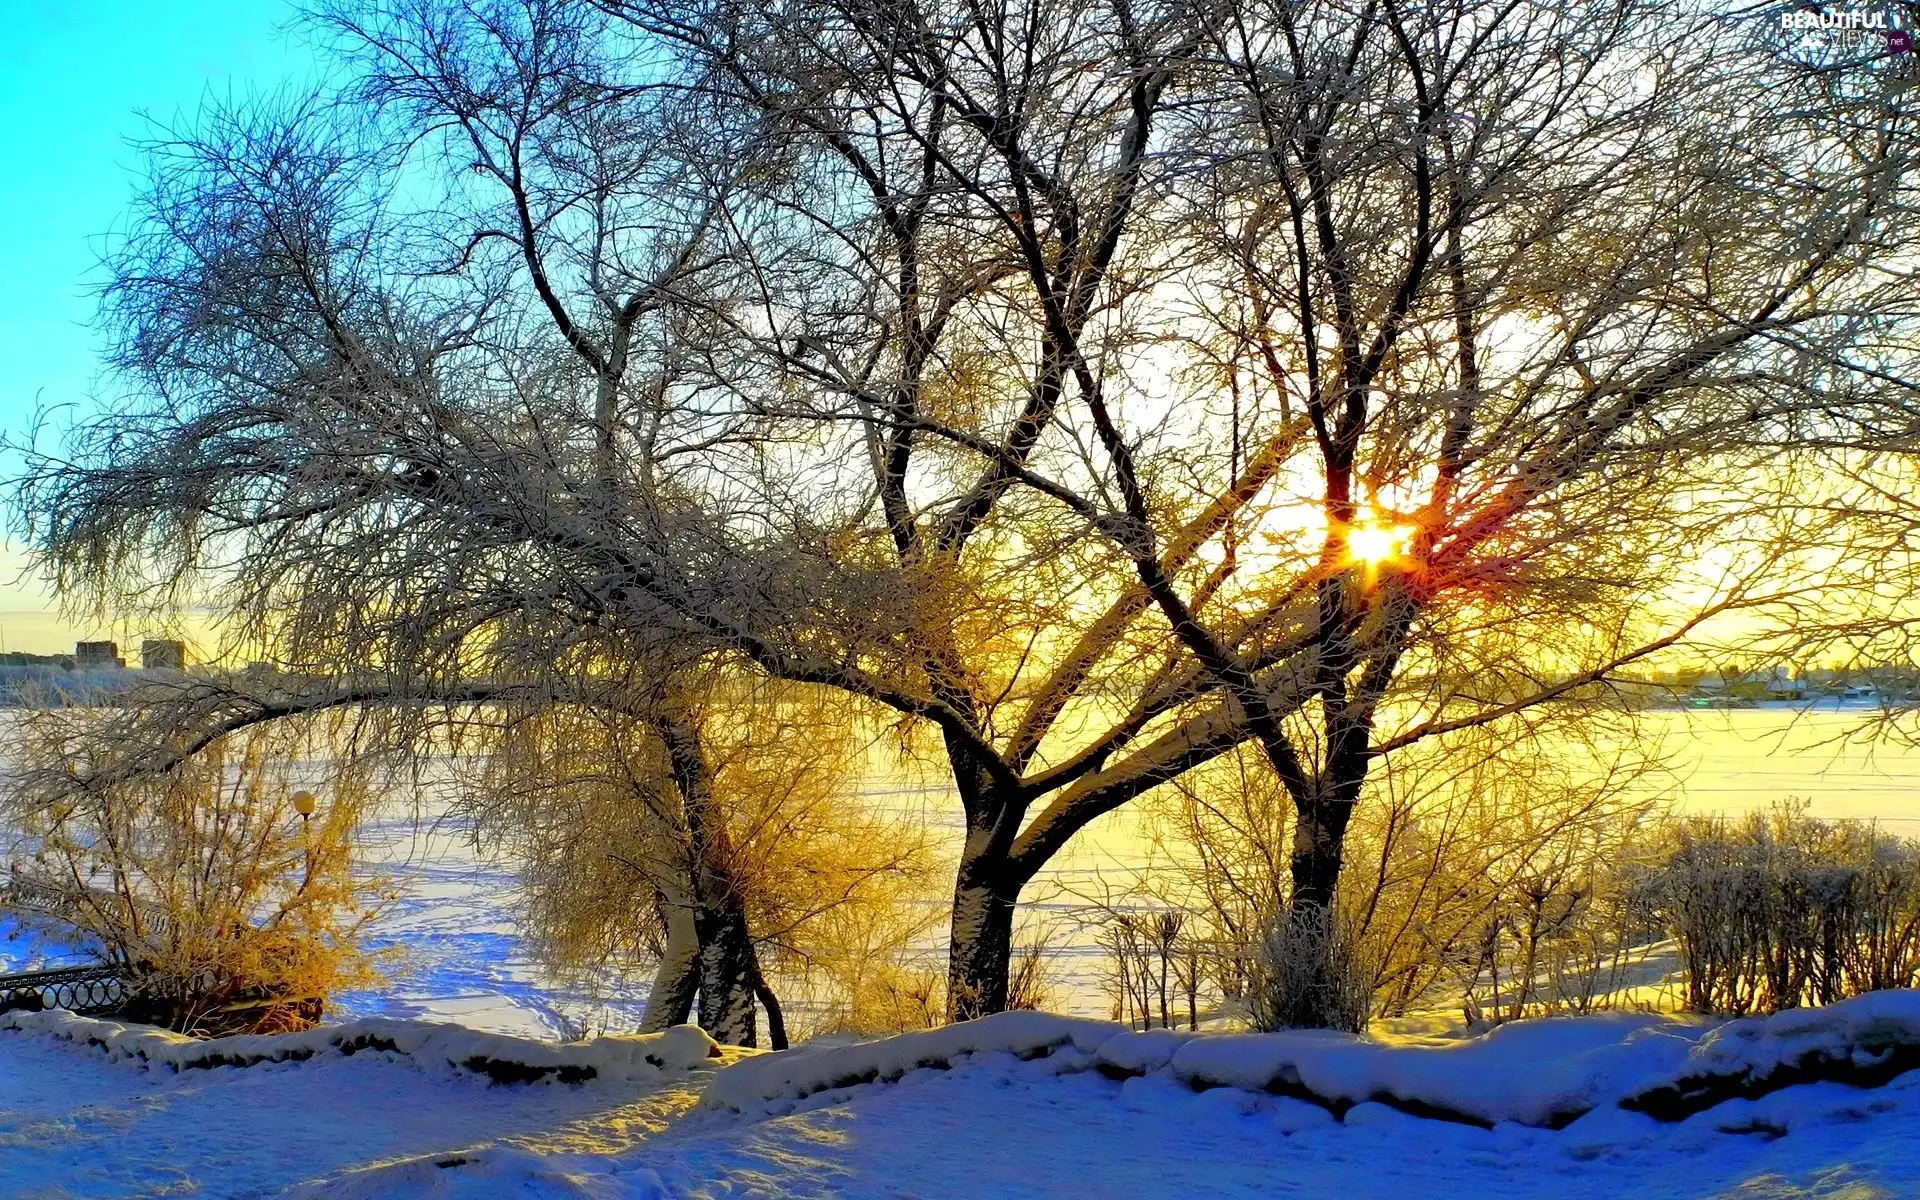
<point x="776" y="1016"/>
<point x="1320" y="831"/>
<point x="981" y="949"/>
<point x="985" y="890"/>
<point x="728" y="964"/>
<point x="677" y="981"/>
<point x="1319" y="837"/>
<point x="727" y="973"/>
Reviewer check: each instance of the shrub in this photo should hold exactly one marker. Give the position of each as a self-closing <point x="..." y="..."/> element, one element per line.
<point x="225" y="909"/>
<point x="583" y="801"/>
<point x="1483" y="871"/>
<point x="1154" y="965"/>
<point x="1778" y="910"/>
<point x="1030" y="983"/>
<point x="1306" y="971"/>
<point x="1566" y="938"/>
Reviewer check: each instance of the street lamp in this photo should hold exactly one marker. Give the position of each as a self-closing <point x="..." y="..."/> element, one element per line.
<point x="303" y="803"/>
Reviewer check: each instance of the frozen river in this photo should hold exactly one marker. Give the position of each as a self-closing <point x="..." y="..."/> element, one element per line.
<point x="456" y="920"/>
<point x="1737" y="760"/>
<point x="455" y="954"/>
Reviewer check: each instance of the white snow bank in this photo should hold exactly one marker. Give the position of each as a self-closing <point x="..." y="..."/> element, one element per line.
<point x="1875" y="1021"/>
<point x="1539" y="1072"/>
<point x="1865" y="1041"/>
<point x="1542" y="1073"/>
<point x="751" y="1085"/>
<point x="432" y="1046"/>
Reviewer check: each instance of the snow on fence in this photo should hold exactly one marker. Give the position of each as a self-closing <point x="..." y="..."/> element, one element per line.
<point x="432" y="1046"/>
<point x="1544" y="1073"/>
<point x="75" y="905"/>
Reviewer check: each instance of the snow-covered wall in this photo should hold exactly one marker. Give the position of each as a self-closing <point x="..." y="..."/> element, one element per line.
<point x="1542" y="1073"/>
<point x="1545" y="1073"/>
<point x="432" y="1046"/>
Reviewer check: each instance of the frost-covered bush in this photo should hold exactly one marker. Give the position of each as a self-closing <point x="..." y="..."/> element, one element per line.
<point x="1307" y="971"/>
<point x="226" y="909"/>
<point x="1566" y="938"/>
<point x="1778" y="910"/>
<point x="1481" y="873"/>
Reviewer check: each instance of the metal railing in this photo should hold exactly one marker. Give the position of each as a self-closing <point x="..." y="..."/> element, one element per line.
<point x="73" y="904"/>
<point x="84" y="990"/>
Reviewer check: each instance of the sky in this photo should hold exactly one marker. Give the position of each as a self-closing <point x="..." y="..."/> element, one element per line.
<point x="78" y="80"/>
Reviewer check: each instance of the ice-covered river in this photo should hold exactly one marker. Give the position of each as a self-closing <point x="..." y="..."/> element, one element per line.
<point x="455" y="954"/>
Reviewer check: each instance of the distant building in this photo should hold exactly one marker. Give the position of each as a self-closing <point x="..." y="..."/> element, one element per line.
<point x="97" y="656"/>
<point x="1783" y="686"/>
<point x="15" y="658"/>
<point x="163" y="654"/>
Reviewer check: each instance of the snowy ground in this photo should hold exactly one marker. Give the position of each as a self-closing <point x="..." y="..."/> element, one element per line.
<point x="74" y="1124"/>
<point x="987" y="1122"/>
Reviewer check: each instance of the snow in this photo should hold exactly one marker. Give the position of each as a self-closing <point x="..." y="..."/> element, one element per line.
<point x="1760" y="1045"/>
<point x="1022" y="1104"/>
<point x="76" y="1123"/>
<point x="754" y="1084"/>
<point x="26" y="947"/>
<point x="1537" y="1073"/>
<point x="433" y="1047"/>
<point x="1531" y="1073"/>
<point x="998" y="1127"/>
<point x="450" y="947"/>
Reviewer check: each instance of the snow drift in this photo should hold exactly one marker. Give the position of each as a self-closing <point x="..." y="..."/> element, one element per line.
<point x="1865" y="1041"/>
<point x="752" y="1084"/>
<point x="1542" y="1073"/>
<point x="1545" y="1073"/>
<point x="430" y="1045"/>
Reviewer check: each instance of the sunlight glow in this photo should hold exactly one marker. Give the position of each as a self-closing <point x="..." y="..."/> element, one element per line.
<point x="1375" y="544"/>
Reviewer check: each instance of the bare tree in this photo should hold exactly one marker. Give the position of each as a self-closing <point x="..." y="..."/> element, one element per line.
<point x="1101" y="387"/>
<point x="715" y="836"/>
<point x="1449" y="836"/>
<point x="1401" y="367"/>
<point x="622" y="840"/>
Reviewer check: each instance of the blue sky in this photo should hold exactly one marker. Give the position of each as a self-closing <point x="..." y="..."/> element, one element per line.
<point x="75" y="75"/>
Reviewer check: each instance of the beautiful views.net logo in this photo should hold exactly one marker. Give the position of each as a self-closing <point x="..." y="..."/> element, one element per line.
<point x="1851" y="23"/>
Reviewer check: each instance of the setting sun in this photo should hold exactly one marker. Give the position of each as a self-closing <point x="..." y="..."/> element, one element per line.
<point x="1376" y="544"/>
